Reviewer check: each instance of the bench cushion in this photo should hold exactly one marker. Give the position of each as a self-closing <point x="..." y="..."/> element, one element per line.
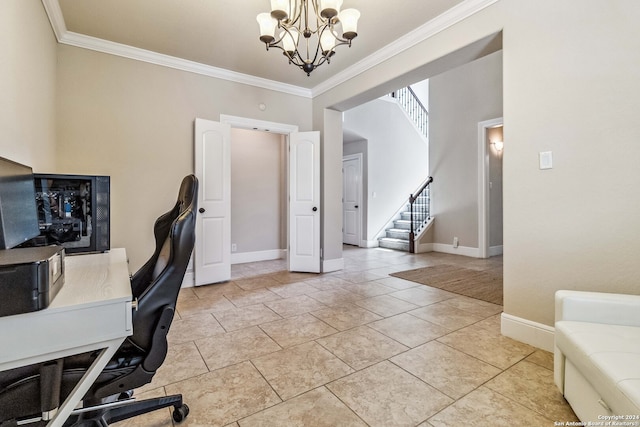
<point x="608" y="356"/>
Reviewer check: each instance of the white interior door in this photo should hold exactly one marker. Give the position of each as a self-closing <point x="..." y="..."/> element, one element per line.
<point x="213" y="225"/>
<point x="351" y="200"/>
<point x="304" y="202"/>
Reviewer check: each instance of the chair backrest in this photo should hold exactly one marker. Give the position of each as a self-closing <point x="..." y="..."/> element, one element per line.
<point x="157" y="283"/>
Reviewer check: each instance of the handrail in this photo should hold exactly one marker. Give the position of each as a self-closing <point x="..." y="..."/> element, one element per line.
<point x="424" y="210"/>
<point x="414" y="108"/>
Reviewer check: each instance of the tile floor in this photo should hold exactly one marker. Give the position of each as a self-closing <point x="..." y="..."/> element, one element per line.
<point x="350" y="348"/>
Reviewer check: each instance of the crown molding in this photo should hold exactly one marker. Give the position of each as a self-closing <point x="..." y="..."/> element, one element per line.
<point x="445" y="20"/>
<point x="441" y="22"/>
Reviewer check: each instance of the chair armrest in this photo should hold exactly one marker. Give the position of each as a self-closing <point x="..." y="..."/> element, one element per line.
<point x="598" y="307"/>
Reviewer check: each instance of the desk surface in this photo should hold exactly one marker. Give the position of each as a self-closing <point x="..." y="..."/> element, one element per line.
<point x="93" y="307"/>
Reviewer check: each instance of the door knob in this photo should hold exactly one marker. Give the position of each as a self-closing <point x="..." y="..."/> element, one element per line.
<point x="314" y="209"/>
<point x="356" y="206"/>
<point x="202" y="210"/>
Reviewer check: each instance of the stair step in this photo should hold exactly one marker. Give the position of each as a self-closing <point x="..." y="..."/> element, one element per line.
<point x="398" y="244"/>
<point x="416" y="215"/>
<point x="402" y="224"/>
<point x="398" y="233"/>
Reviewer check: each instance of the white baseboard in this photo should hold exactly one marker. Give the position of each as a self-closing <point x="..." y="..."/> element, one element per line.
<point x="369" y="244"/>
<point x="495" y="250"/>
<point x="460" y="250"/>
<point x="329" y="265"/>
<point x="243" y="257"/>
<point x="527" y="331"/>
<point x="424" y="247"/>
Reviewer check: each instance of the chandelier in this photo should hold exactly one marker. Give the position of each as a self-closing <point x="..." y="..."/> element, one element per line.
<point x="322" y="29"/>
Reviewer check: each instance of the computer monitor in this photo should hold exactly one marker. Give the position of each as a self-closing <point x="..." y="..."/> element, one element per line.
<point x="18" y="212"/>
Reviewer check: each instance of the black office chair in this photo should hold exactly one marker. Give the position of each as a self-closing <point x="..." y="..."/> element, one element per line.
<point x="33" y="391"/>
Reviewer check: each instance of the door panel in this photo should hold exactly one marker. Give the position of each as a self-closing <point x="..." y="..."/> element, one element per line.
<point x="351" y="203"/>
<point x="213" y="226"/>
<point x="304" y="203"/>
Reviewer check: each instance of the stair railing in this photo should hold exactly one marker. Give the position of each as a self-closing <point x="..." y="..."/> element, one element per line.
<point x="414" y="108"/>
<point x="420" y="208"/>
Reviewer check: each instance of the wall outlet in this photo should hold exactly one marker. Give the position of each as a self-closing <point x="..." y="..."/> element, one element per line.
<point x="455" y="242"/>
<point x="234" y="247"/>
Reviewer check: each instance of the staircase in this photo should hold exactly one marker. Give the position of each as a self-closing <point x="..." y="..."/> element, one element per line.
<point x="397" y="236"/>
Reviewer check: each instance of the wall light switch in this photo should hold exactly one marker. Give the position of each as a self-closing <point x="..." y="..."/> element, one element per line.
<point x="546" y="159"/>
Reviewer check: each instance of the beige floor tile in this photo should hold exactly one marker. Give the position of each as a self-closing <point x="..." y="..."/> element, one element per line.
<point x="327" y="282"/>
<point x="293" y="289"/>
<point x="450" y="371"/>
<point x="472" y="305"/>
<point x="258" y="296"/>
<point x="346" y="316"/>
<point x="297" y="330"/>
<point x="298" y="369"/>
<point x="317" y="408"/>
<point x="541" y="358"/>
<point x="398" y="283"/>
<point x="221" y="397"/>
<point x="482" y="408"/>
<point x="182" y="361"/>
<point x="193" y="327"/>
<point x="445" y="315"/>
<point x="292" y="277"/>
<point x="192" y="307"/>
<point x="237" y="318"/>
<point x="187" y="293"/>
<point x="408" y="329"/>
<point x="217" y="290"/>
<point x="369" y="289"/>
<point x="532" y="386"/>
<point x="422" y="295"/>
<point x="295" y="305"/>
<point x="385" y="305"/>
<point x="361" y="276"/>
<point x="335" y="296"/>
<point x="234" y="347"/>
<point x="488" y="345"/>
<point x="385" y="395"/>
<point x="361" y="347"/>
<point x="258" y="282"/>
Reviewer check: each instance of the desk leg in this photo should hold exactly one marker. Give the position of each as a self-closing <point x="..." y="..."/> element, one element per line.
<point x="85" y="382"/>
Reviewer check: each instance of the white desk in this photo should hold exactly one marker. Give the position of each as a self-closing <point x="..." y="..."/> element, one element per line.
<point x="92" y="311"/>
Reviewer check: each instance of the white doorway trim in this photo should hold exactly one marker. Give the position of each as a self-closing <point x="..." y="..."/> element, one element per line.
<point x="358" y="158"/>
<point x="259" y="125"/>
<point x="483" y="184"/>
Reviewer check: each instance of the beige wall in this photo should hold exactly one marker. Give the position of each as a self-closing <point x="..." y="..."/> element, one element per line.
<point x="27" y="84"/>
<point x="134" y="121"/>
<point x="458" y="100"/>
<point x="571" y="87"/>
<point x="258" y="192"/>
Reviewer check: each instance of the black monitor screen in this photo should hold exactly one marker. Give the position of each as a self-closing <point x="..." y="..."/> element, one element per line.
<point x="18" y="212"/>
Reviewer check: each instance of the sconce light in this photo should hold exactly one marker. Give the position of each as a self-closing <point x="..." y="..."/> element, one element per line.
<point x="498" y="145"/>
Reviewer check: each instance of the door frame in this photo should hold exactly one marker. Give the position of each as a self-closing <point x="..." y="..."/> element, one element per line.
<point x="265" y="126"/>
<point x="358" y="157"/>
<point x="483" y="184"/>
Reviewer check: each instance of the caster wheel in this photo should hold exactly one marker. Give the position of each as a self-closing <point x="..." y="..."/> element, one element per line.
<point x="179" y="414"/>
<point x="126" y="395"/>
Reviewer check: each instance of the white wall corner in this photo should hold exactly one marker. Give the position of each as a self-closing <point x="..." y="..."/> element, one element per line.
<point x="329" y="265"/>
<point x="527" y="331"/>
<point x="424" y="247"/>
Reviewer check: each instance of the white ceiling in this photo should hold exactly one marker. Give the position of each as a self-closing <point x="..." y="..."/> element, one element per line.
<point x="222" y="35"/>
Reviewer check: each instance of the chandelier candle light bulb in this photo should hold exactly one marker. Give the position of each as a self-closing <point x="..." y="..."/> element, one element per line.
<point x="322" y="23"/>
